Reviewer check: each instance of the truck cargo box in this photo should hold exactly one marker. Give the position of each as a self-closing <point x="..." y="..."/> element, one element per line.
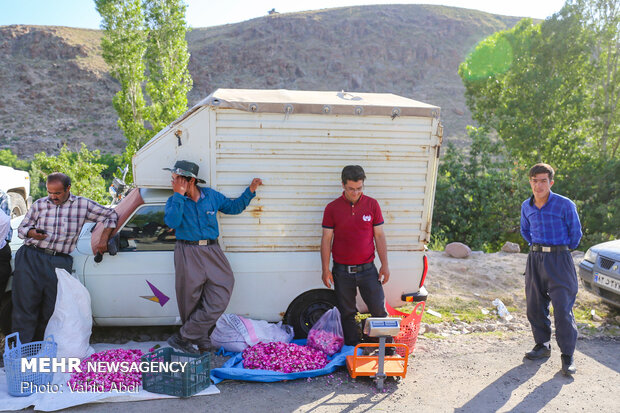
<point x="298" y="142"/>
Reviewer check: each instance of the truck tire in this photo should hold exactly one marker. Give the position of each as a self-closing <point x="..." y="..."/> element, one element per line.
<point x="18" y="205"/>
<point x="6" y="312"/>
<point x="306" y="310"/>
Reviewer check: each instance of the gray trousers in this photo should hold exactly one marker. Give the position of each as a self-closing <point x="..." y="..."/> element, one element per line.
<point x="550" y="277"/>
<point x="204" y="283"/>
<point x="34" y="291"/>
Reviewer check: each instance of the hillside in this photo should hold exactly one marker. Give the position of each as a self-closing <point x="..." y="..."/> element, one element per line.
<point x="56" y="87"/>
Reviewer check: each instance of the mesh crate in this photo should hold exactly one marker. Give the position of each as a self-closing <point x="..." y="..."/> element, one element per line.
<point x="409" y="327"/>
<point x="14" y="351"/>
<point x="194" y="379"/>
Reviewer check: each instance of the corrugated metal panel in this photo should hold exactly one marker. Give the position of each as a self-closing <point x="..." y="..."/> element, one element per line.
<point x="300" y="158"/>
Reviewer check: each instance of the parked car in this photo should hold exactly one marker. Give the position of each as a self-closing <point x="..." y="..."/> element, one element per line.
<point x="16" y="184"/>
<point x="600" y="271"/>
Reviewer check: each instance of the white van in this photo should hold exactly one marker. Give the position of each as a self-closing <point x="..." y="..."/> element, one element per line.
<point x="297" y="142"/>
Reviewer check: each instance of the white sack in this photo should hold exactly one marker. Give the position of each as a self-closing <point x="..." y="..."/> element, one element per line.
<point x="229" y="333"/>
<point x="72" y="320"/>
<point x="263" y="331"/>
<point x="236" y="333"/>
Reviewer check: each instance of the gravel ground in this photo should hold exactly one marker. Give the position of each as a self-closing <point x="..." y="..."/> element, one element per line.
<point x="456" y="366"/>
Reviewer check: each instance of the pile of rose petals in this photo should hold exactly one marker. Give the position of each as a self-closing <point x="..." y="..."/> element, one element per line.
<point x="325" y="341"/>
<point x="283" y="357"/>
<point x="107" y="379"/>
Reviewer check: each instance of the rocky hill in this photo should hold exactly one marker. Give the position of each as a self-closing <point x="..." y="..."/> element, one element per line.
<point x="56" y="87"/>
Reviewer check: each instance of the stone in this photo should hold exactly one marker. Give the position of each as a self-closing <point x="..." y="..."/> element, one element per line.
<point x="511" y="247"/>
<point x="458" y="250"/>
<point x="432" y="329"/>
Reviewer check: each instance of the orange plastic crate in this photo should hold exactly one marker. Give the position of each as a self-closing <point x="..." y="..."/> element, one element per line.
<point x="409" y="327"/>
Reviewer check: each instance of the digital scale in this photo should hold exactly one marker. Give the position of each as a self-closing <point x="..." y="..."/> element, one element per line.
<point x="379" y="366"/>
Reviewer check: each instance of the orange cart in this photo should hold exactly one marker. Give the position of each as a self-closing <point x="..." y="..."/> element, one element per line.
<point x="379" y="366"/>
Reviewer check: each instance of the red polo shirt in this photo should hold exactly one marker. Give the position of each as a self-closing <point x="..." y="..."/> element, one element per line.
<point x="353" y="229"/>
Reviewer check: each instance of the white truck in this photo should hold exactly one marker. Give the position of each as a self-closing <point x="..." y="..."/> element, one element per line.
<point x="16" y="184"/>
<point x="297" y="142"/>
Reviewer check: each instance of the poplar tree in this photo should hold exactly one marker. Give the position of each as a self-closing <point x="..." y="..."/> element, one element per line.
<point x="144" y="44"/>
<point x="124" y="46"/>
<point x="167" y="58"/>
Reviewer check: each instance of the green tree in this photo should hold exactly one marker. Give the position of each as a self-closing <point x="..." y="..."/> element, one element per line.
<point x="8" y="158"/>
<point x="82" y="167"/>
<point x="601" y="19"/>
<point x="124" y="46"/>
<point x="167" y="58"/>
<point x="479" y="194"/>
<point x="144" y="45"/>
<point x="527" y="83"/>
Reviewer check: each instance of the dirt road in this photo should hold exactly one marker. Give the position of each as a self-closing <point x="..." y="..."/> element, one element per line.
<point x="464" y="373"/>
<point x="477" y="367"/>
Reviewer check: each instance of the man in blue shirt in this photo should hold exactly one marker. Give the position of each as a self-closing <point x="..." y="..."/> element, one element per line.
<point x="550" y="224"/>
<point x="204" y="280"/>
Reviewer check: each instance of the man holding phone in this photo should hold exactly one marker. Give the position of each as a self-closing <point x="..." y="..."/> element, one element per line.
<point x="50" y="231"/>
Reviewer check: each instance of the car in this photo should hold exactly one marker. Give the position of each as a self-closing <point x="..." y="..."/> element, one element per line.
<point x="600" y="271"/>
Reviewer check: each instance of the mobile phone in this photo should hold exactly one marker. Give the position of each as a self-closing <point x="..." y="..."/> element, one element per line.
<point x="39" y="231"/>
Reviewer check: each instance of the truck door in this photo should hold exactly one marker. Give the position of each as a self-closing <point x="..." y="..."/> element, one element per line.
<point x="136" y="286"/>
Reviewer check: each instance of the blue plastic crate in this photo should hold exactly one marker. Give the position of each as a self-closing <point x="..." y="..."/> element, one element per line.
<point x="12" y="363"/>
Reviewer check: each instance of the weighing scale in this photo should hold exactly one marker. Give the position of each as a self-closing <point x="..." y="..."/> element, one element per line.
<point x="379" y="366"/>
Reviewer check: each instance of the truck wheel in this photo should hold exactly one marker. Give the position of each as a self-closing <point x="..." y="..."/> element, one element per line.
<point x="18" y="205"/>
<point x="306" y="310"/>
<point x="6" y="312"/>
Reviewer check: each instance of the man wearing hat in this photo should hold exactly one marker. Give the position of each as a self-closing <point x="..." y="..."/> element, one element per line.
<point x="204" y="279"/>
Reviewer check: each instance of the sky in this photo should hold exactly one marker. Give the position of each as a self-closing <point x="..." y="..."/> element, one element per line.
<point x="205" y="13"/>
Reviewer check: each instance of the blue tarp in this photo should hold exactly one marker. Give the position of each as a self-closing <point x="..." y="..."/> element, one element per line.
<point x="233" y="368"/>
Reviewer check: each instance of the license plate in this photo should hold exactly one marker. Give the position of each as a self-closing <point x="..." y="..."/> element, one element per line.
<point x="607" y="281"/>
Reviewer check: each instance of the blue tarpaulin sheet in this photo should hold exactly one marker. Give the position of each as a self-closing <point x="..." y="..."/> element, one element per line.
<point x="233" y="368"/>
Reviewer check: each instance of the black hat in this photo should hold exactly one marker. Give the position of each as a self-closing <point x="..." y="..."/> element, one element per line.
<point x="186" y="168"/>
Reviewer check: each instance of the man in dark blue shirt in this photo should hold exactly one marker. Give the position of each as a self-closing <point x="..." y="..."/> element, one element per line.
<point x="550" y="224"/>
<point x="204" y="280"/>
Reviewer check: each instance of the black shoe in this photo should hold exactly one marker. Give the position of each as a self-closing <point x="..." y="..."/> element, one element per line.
<point x="568" y="365"/>
<point x="538" y="352"/>
<point x="176" y="341"/>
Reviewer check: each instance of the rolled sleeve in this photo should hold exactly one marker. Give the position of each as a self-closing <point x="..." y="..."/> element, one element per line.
<point x="98" y="213"/>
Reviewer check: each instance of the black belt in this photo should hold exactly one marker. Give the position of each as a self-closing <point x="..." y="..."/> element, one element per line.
<point x="352" y="269"/>
<point x="548" y="248"/>
<point x="49" y="251"/>
<point x="201" y="242"/>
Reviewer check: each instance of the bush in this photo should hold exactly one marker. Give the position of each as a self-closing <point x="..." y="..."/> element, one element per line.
<point x="479" y="195"/>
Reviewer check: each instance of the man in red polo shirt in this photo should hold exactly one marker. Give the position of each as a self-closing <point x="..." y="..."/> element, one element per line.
<point x="354" y="223"/>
